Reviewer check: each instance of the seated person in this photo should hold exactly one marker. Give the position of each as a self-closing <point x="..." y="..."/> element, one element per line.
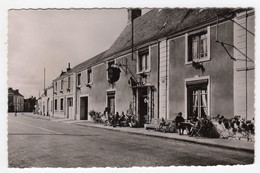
<point x="162" y="123"/>
<point x="178" y="120"/>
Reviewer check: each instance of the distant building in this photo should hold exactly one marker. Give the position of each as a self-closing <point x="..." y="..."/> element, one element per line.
<point x="15" y="100"/>
<point x="29" y="104"/>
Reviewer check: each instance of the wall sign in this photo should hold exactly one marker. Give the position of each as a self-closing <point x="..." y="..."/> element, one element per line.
<point x="113" y="74"/>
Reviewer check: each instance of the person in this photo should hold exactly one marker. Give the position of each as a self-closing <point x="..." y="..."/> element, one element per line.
<point x="121" y="119"/>
<point x="15" y="112"/>
<point x="162" y="123"/>
<point x="106" y="112"/>
<point x="178" y="120"/>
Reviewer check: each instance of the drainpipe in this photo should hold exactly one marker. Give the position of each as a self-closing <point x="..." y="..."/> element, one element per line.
<point x="52" y="99"/>
<point x="158" y="82"/>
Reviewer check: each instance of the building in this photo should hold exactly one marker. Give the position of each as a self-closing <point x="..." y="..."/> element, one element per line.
<point x="30" y="104"/>
<point x="46" y="102"/>
<point x="15" y="100"/>
<point x="196" y="61"/>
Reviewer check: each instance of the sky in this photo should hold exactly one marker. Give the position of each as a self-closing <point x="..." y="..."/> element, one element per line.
<point x="50" y="39"/>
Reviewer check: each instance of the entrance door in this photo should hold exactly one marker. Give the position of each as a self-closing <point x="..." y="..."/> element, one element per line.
<point x="69" y="108"/>
<point x="83" y="108"/>
<point x="197" y="101"/>
<point x="111" y="103"/>
<point x="142" y="105"/>
<point x="48" y="100"/>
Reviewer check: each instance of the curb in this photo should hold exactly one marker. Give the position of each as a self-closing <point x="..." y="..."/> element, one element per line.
<point x="172" y="138"/>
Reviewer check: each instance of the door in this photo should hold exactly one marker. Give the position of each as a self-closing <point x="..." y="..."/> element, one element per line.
<point x="69" y="108"/>
<point x="83" y="108"/>
<point x="142" y="105"/>
<point x="197" y="101"/>
<point x="111" y="103"/>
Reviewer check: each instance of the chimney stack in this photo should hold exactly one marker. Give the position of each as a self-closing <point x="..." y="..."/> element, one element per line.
<point x="68" y="69"/>
<point x="133" y="14"/>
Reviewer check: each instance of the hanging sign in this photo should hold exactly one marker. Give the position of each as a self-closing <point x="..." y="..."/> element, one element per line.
<point x="113" y="74"/>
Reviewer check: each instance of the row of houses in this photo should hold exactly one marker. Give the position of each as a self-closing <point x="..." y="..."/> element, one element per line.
<point x="17" y="103"/>
<point x="196" y="61"/>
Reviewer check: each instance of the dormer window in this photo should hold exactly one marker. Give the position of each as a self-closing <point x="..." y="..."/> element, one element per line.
<point x="143" y="61"/>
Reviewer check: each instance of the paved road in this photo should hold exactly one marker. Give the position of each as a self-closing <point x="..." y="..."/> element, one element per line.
<point x="41" y="143"/>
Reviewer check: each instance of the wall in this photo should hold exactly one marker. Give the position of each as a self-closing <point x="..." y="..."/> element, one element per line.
<point x="240" y="73"/>
<point x="219" y="68"/>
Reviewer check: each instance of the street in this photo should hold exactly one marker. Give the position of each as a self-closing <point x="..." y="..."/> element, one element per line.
<point x="41" y="143"/>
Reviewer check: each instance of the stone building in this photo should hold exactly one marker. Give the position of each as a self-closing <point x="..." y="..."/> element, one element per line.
<point x="15" y="100"/>
<point x="196" y="61"/>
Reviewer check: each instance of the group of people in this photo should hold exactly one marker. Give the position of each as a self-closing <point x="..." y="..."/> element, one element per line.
<point x="120" y="120"/>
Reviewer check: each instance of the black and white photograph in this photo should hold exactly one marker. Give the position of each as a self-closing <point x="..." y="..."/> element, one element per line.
<point x="130" y="87"/>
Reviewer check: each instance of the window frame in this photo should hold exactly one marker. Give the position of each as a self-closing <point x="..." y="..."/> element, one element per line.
<point x="61" y="104"/>
<point x="198" y="80"/>
<point x="69" y="80"/>
<point x="79" y="81"/>
<point x="89" y="78"/>
<point x="55" y="104"/>
<point x="188" y="45"/>
<point x="144" y="51"/>
<point x="61" y="84"/>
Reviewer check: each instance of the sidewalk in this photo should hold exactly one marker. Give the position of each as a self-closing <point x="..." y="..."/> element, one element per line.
<point x="223" y="143"/>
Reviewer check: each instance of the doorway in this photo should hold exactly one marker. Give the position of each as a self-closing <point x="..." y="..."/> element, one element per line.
<point x="142" y="105"/>
<point x="69" y="108"/>
<point x="83" y="108"/>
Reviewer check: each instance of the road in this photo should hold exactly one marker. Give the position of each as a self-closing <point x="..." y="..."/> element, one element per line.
<point x="41" y="143"/>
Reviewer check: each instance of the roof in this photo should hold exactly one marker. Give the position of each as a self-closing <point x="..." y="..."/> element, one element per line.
<point x="84" y="65"/>
<point x="155" y="24"/>
<point x="15" y="92"/>
<point x="159" y="23"/>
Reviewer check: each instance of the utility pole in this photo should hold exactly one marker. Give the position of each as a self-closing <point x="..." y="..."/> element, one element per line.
<point x="44" y="79"/>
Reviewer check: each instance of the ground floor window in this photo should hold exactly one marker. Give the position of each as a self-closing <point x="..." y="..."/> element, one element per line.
<point x="111" y="102"/>
<point x="61" y="104"/>
<point x="197" y="99"/>
<point x="55" y="104"/>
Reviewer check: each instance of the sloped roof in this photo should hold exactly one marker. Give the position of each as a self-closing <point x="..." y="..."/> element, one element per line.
<point x="84" y="65"/>
<point x="153" y="25"/>
<point x="159" y="23"/>
<point x="15" y="92"/>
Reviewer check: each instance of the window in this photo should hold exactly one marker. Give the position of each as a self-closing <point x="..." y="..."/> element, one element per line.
<point x="55" y="88"/>
<point x="110" y="63"/>
<point x="89" y="76"/>
<point x="68" y="82"/>
<point x="61" y="104"/>
<point x="79" y="79"/>
<point x="197" y="98"/>
<point x="198" y="46"/>
<point x="143" y="63"/>
<point x="55" y="104"/>
<point x="61" y="85"/>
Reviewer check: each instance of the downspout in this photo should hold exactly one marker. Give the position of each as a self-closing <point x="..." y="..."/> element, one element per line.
<point x="158" y="82"/>
<point x="52" y="99"/>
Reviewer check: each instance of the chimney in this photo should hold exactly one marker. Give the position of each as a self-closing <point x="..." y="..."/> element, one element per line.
<point x="133" y="14"/>
<point x="68" y="69"/>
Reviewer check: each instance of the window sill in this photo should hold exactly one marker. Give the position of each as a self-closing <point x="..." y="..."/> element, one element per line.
<point x="143" y="72"/>
<point x="197" y="61"/>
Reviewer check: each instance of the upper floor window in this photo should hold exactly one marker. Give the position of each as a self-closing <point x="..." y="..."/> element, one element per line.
<point x="79" y="79"/>
<point x="198" y="46"/>
<point x="89" y="76"/>
<point x="61" y="84"/>
<point x="55" y="88"/>
<point x="143" y="62"/>
<point x="69" y="82"/>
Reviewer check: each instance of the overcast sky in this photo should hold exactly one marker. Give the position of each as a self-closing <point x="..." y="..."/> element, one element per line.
<point x="52" y="38"/>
